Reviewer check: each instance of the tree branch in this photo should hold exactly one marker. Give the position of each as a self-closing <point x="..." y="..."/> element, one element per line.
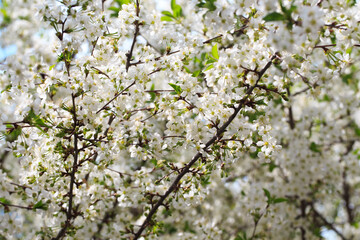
<point x="328" y="224"/>
<point x="69" y="213"/>
<point x="198" y="155"/>
<point x="137" y="30"/>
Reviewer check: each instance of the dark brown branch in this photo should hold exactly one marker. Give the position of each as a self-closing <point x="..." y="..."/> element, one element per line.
<point x="120" y="173"/>
<point x="3" y="157"/>
<point x="325" y="46"/>
<point x="239" y="31"/>
<point x="212" y="39"/>
<point x="198" y="155"/>
<point x="291" y="117"/>
<point x="108" y="216"/>
<point x="19" y="185"/>
<point x="257" y="220"/>
<point x="102" y="5"/>
<point x="327" y="223"/>
<point x="6" y="205"/>
<point x="101" y="72"/>
<point x="347" y="198"/>
<point x="347" y="188"/>
<point x="69" y="213"/>
<point x="137" y="30"/>
<point x="156" y="112"/>
<point x="155" y="59"/>
<point x="302" y="91"/>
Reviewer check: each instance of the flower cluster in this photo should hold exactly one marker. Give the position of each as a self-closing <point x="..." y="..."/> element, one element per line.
<point x="214" y="119"/>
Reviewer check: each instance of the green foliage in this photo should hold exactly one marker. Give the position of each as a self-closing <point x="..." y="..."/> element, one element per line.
<point x="284" y="16"/>
<point x="36" y="120"/>
<point x="253" y="115"/>
<point x="215" y="51"/>
<point x="6" y="20"/>
<point x="12" y="133"/>
<point x="274" y="16"/>
<point x="241" y="236"/>
<point x="177" y="10"/>
<point x="177" y="88"/>
<point x="40" y="205"/>
<point x="210" y="59"/>
<point x="209" y="4"/>
<point x="116" y="9"/>
<point x="271" y="165"/>
<point x="273" y="199"/>
<point x="4" y="201"/>
<point x="315" y="148"/>
<point x="351" y="2"/>
<point x="188" y="228"/>
<point x="175" y="15"/>
<point x="152" y="94"/>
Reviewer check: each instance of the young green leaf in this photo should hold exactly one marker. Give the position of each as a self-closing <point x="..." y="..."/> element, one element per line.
<point x="274" y="16"/>
<point x="167" y="13"/>
<point x="177" y="88"/>
<point x="215" y="51"/>
<point x="40" y="205"/>
<point x="166" y="19"/>
<point x="209" y="4"/>
<point x="314" y="147"/>
<point x="177" y="10"/>
<point x="267" y="194"/>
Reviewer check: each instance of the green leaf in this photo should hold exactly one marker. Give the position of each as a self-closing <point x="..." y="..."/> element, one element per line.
<point x="271" y="165"/>
<point x="209" y="67"/>
<point x="267" y="194"/>
<point x="13" y="134"/>
<point x="177" y="88"/>
<point x="298" y="58"/>
<point x="7" y="88"/>
<point x="177" y="10"/>
<point x="34" y="119"/>
<point x="211" y="60"/>
<point x="188" y="228"/>
<point x="40" y="205"/>
<point x="51" y="67"/>
<point x="166" y="18"/>
<point x="205" y="180"/>
<point x="167" y="13"/>
<point x="215" y="51"/>
<point x="351" y="3"/>
<point x="314" y="147"/>
<point x="209" y="4"/>
<point x="241" y="236"/>
<point x="274" y="16"/>
<point x="117" y="9"/>
<point x="279" y="200"/>
<point x="261" y="102"/>
<point x="4" y="201"/>
<point x="196" y="73"/>
<point x="113" y="8"/>
<point x="152" y="94"/>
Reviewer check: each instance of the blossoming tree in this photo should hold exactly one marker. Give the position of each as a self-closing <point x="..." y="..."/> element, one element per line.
<point x="216" y="119"/>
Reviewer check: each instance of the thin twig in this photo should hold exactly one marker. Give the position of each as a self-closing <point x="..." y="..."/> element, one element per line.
<point x="116" y="95"/>
<point x="16" y="206"/>
<point x="137" y="29"/>
<point x="69" y="213"/>
<point x="328" y="224"/>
